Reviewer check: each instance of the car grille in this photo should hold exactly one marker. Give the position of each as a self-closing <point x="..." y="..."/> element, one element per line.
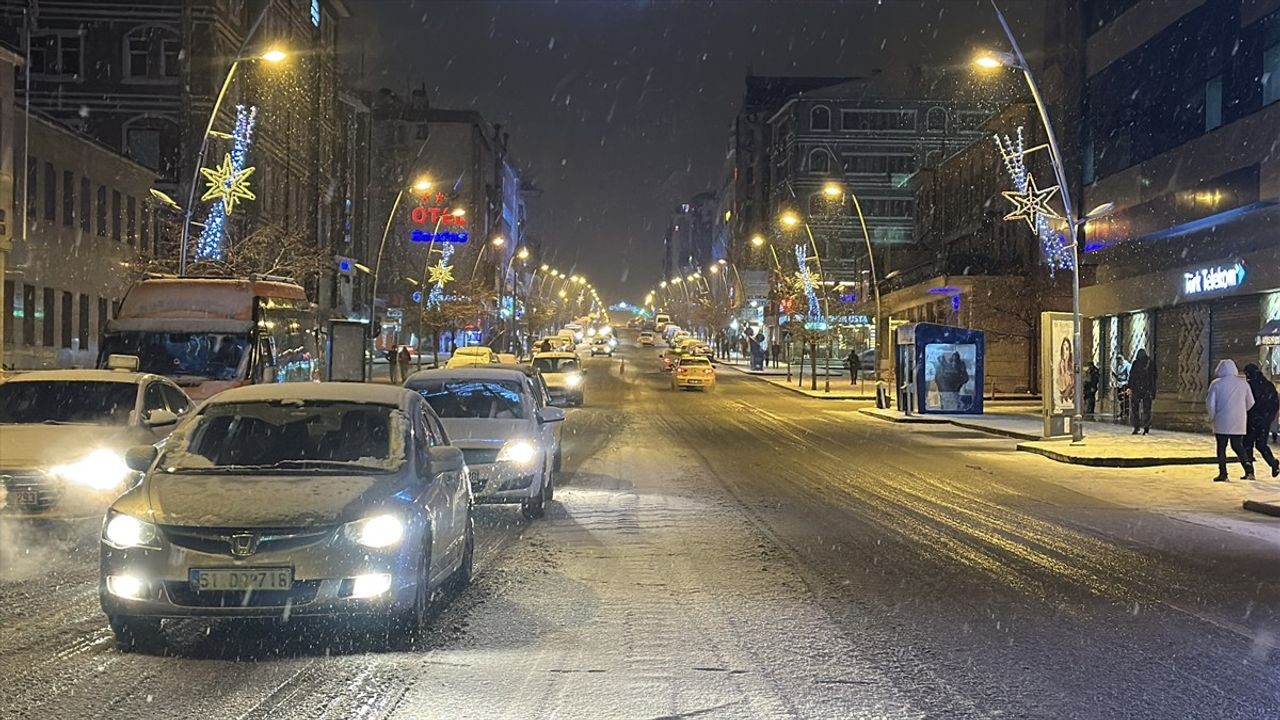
<point x="217" y="541"/>
<point x="31" y="489"/>
<point x="479" y="456"/>
<point x="303" y="592"/>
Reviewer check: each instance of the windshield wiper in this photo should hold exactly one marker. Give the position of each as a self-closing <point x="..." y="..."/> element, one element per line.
<point x="328" y="464"/>
<point x="335" y="465"/>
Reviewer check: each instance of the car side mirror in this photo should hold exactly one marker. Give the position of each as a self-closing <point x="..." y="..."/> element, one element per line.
<point x="140" y="457"/>
<point x="550" y="415"/>
<point x="444" y="458"/>
<point x="160" y="418"/>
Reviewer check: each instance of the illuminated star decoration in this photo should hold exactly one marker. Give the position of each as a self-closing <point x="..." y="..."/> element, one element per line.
<point x="814" y="315"/>
<point x="441" y="274"/>
<point x="1031" y="204"/>
<point x="228" y="183"/>
<point x="437" y="290"/>
<point x="233" y="171"/>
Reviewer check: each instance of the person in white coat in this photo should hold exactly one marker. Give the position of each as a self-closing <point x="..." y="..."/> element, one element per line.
<point x="1228" y="403"/>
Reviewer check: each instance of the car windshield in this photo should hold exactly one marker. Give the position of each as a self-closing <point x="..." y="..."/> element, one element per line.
<point x="688" y="361"/>
<point x="555" y="365"/>
<point x="217" y="356"/>
<point x="55" y="401"/>
<point x="474" y="399"/>
<point x="290" y="435"/>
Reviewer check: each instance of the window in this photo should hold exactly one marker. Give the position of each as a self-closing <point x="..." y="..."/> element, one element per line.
<point x="33" y="180"/>
<point x="970" y="121"/>
<point x="68" y="198"/>
<point x="894" y="164"/>
<point x="131" y="220"/>
<point x="139" y="57"/>
<point x="144" y="227"/>
<point x="86" y="211"/>
<point x="68" y="310"/>
<point x="936" y="120"/>
<point x="83" y="324"/>
<point x="175" y="399"/>
<point x="315" y="13"/>
<point x="820" y="118"/>
<point x="55" y="54"/>
<point x="1213" y="103"/>
<point x="10" y="305"/>
<point x="143" y="145"/>
<point x="152" y="53"/>
<point x="50" y="192"/>
<point x="1088" y="171"/>
<point x="102" y="211"/>
<point x="115" y="215"/>
<point x="28" y="311"/>
<point x="45" y="312"/>
<point x="878" y="119"/>
<point x="1271" y="74"/>
<point x="819" y="161"/>
<point x="103" y="315"/>
<point x="153" y="399"/>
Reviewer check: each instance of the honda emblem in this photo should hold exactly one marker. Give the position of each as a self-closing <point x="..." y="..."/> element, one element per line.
<point x="244" y="544"/>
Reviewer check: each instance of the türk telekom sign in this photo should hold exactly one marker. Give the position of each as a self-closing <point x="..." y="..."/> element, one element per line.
<point x="438" y="221"/>
<point x="1213" y="279"/>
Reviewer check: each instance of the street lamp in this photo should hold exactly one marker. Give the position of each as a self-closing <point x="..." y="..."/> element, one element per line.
<point x="992" y="60"/>
<point x="377" y="265"/>
<point x="834" y="190"/>
<point x="273" y="55"/>
<point x="790" y="219"/>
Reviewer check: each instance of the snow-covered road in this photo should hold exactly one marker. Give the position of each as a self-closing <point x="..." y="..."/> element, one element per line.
<point x="745" y="553"/>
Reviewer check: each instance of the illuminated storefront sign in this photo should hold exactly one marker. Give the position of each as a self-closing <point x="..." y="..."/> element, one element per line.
<point x="440" y="224"/>
<point x="1212" y="279"/>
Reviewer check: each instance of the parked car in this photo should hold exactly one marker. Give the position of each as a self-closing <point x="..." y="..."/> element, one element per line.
<point x="693" y="371"/>
<point x="290" y="500"/>
<point x="471" y="356"/>
<point x="564" y="375"/>
<point x="508" y="438"/>
<point x="507" y="359"/>
<point x="67" y="431"/>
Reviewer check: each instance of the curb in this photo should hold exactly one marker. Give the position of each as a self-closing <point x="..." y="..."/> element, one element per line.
<point x="1261" y="506"/>
<point x="1016" y="435"/>
<point x="906" y="419"/>
<point x="798" y="391"/>
<point x="1121" y="462"/>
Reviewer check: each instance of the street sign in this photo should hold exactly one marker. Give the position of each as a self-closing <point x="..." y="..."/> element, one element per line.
<point x="417" y="296"/>
<point x="396" y="313"/>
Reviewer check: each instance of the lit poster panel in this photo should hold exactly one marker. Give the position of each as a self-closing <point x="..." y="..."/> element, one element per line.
<point x="949" y="377"/>
<point x="1058" y="377"/>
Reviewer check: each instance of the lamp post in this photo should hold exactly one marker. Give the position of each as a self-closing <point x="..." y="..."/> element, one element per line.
<point x="272" y="55"/>
<point x="1016" y="60"/>
<point x="421" y="185"/>
<point x="835" y="190"/>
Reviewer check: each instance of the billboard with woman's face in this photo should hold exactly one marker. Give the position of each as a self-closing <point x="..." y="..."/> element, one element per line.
<point x="1062" y="399"/>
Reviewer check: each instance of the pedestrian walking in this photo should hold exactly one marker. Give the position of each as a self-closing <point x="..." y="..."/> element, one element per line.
<point x="1228" y="402"/>
<point x="1121" y="373"/>
<point x="1142" y="390"/>
<point x="393" y="369"/>
<point x="1266" y="403"/>
<point x="403" y="358"/>
<point x="775" y="350"/>
<point x="854" y="365"/>
<point x="1092" y="376"/>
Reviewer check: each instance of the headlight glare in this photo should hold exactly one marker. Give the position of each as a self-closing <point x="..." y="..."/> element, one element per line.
<point x="379" y="531"/>
<point x="573" y="380"/>
<point x="101" y="469"/>
<point x="126" y="531"/>
<point x="520" y="452"/>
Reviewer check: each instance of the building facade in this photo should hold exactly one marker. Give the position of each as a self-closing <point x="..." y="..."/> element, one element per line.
<point x="1182" y="102"/>
<point x="142" y="78"/>
<point x="82" y="221"/>
<point x="969" y="267"/>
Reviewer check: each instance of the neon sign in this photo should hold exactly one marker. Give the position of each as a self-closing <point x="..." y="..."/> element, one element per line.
<point x="1213" y="279"/>
<point x="441" y="224"/>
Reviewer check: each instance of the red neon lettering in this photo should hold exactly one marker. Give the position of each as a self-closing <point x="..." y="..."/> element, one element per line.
<point x="418" y="215"/>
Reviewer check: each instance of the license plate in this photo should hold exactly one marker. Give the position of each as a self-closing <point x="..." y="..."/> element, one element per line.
<point x="245" y="579"/>
<point x="28" y="498"/>
<point x="694" y="382"/>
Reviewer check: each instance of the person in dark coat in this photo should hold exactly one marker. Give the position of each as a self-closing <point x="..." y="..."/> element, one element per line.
<point x="1142" y="389"/>
<point x="1266" y="403"/>
<point x="403" y="358"/>
<point x="1092" y="376"/>
<point x="545" y="346"/>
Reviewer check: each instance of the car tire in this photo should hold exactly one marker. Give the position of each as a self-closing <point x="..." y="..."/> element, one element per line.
<point x="409" y="624"/>
<point x="136" y="633"/>
<point x="466" y="568"/>
<point x="536" y="508"/>
<point x="558" y="460"/>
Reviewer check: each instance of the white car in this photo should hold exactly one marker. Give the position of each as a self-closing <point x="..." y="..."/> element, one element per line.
<point x="66" y="432"/>
<point x="472" y="356"/>
<point x="289" y="500"/>
<point x="601" y="345"/>
<point x="509" y="441"/>
<point x="564" y="375"/>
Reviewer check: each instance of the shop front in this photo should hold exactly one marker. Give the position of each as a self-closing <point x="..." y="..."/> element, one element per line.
<point x="1186" y="319"/>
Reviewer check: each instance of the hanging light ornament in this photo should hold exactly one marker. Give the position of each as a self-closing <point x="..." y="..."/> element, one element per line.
<point x="1031" y="203"/>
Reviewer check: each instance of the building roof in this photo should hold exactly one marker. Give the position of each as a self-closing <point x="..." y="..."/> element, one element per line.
<point x="768" y="92"/>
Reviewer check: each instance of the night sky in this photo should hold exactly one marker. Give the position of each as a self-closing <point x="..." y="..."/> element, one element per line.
<point x="620" y="109"/>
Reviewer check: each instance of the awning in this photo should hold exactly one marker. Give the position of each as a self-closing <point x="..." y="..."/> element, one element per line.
<point x="1270" y="334"/>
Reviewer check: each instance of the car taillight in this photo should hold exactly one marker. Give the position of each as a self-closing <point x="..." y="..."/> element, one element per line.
<point x="683" y="371"/>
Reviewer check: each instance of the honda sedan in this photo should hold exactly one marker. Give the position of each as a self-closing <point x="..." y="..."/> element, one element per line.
<point x="290" y="500"/>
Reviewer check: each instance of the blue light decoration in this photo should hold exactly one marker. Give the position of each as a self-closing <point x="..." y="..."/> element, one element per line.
<point x="344" y="266"/>
<point x="209" y="244"/>
<point x="813" y="319"/>
<point x="444" y="236"/>
<point x="955" y="303"/>
<point x="1030" y="203"/>
<point x="417" y="296"/>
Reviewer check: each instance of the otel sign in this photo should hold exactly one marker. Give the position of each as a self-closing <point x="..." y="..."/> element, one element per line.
<point x="443" y="226"/>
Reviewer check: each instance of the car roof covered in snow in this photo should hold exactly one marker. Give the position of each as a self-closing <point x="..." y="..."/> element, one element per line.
<point x="483" y="372"/>
<point x="80" y="376"/>
<point x="371" y="393"/>
<point x="556" y="355"/>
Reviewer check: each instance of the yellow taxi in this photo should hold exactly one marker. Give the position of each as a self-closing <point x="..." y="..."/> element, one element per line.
<point x="693" y="371"/>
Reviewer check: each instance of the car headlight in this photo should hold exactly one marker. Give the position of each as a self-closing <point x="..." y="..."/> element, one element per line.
<point x="126" y="531"/>
<point x="379" y="531"/>
<point x="578" y="336"/>
<point x="591" y="332"/>
<point x="573" y="380"/>
<point x="101" y="469"/>
<point x="520" y="452"/>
